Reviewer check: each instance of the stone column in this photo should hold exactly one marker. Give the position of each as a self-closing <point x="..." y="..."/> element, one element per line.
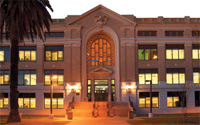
<point x="92" y="90"/>
<point x="109" y="90"/>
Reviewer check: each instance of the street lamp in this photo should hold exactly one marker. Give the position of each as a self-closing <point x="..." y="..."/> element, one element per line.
<point x="150" y="113"/>
<point x="53" y="77"/>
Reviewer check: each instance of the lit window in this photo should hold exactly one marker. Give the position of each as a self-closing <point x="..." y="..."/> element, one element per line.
<point x="57" y="100"/>
<point x="196" y="52"/>
<point x="144" y="99"/>
<point x="50" y="73"/>
<point x="89" y="90"/>
<point x="27" y="100"/>
<point x="54" y="53"/>
<point x="100" y="51"/>
<point x="4" y="77"/>
<point x="174" y="52"/>
<point x="27" y="77"/>
<point x="112" y="90"/>
<point x="4" y="54"/>
<point x="147" y="52"/>
<point x="27" y="53"/>
<point x="197" y="98"/>
<point x="176" y="99"/>
<point x="196" y="75"/>
<point x="175" y="76"/>
<point x="3" y="100"/>
<point x="148" y="74"/>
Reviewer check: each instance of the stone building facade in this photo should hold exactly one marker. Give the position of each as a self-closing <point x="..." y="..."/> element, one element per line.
<point x="103" y="56"/>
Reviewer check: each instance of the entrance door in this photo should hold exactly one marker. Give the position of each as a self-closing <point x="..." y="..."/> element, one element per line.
<point x="101" y="90"/>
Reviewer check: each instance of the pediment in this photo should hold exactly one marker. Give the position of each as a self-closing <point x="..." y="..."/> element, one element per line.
<point x="102" y="9"/>
<point x="100" y="71"/>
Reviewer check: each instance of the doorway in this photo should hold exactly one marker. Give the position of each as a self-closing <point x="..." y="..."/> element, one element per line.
<point x="101" y="90"/>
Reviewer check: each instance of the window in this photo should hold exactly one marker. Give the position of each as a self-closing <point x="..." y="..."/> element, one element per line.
<point x="195" y="33"/>
<point x="4" y="77"/>
<point x="174" y="33"/>
<point x="27" y="100"/>
<point x="148" y="74"/>
<point x="196" y="75"/>
<point x="196" y="51"/>
<point x="48" y="75"/>
<point x="175" y="52"/>
<point x="147" y="52"/>
<point x="27" y="53"/>
<point x="197" y="98"/>
<point x="3" y="100"/>
<point x="4" y="54"/>
<point x="27" y="77"/>
<point x="147" y="33"/>
<point x="57" y="101"/>
<point x="176" y="99"/>
<point x="4" y="35"/>
<point x="144" y="100"/>
<point x="112" y="90"/>
<point x="54" y="34"/>
<point x="89" y="89"/>
<point x="100" y="51"/>
<point x="175" y="76"/>
<point x="54" y="53"/>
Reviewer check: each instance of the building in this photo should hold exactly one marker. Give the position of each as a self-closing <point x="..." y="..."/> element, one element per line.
<point x="104" y="56"/>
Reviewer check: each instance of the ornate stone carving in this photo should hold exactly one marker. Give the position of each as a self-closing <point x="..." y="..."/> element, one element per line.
<point x="100" y="20"/>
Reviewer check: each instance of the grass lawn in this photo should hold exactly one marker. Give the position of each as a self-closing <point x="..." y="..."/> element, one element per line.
<point x="167" y="119"/>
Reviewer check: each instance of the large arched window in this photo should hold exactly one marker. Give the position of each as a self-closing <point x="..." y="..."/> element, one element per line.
<point x="100" y="51"/>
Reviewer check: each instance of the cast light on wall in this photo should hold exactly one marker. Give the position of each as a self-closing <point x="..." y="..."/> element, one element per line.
<point x="73" y="88"/>
<point x="129" y="87"/>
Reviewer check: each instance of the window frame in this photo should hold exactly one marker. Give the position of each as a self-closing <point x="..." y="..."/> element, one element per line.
<point x="197" y="48"/>
<point x="171" y="33"/>
<point x="56" y="96"/>
<point x="3" y="73"/>
<point x="196" y="70"/>
<point x="146" y="48"/>
<point x="195" y="33"/>
<point x="4" y="96"/>
<point x="197" y="102"/>
<point x="53" y="72"/>
<point x="54" y="49"/>
<point x="6" y="53"/>
<point x="174" y="94"/>
<point x="145" y="95"/>
<point x="58" y="34"/>
<point x="175" y="71"/>
<point x="172" y="48"/>
<point x="29" y="72"/>
<point x="28" y="48"/>
<point x="145" y="72"/>
<point x="29" y="96"/>
<point x="143" y="33"/>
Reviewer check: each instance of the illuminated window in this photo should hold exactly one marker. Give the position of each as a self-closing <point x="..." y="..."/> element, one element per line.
<point x="147" y="52"/>
<point x="148" y="74"/>
<point x="54" y="34"/>
<point x="3" y="100"/>
<point x="112" y="90"/>
<point x="175" y="76"/>
<point x="197" y="98"/>
<point x="27" y="53"/>
<point x="4" y="77"/>
<point x="54" y="53"/>
<point x="100" y="51"/>
<point x="195" y="33"/>
<point x="144" y="99"/>
<point x="176" y="99"/>
<point x="175" y="52"/>
<point x="147" y="33"/>
<point x="4" y="54"/>
<point x="196" y="75"/>
<point x="27" y="77"/>
<point x="89" y="89"/>
<point x="57" y="101"/>
<point x="50" y="73"/>
<point x="174" y="33"/>
<point x="196" y="52"/>
<point x="27" y="100"/>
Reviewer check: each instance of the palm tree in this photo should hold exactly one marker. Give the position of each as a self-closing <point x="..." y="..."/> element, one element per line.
<point x="20" y="18"/>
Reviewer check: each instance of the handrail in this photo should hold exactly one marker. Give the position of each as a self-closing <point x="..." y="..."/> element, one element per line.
<point x="70" y="105"/>
<point x="131" y="106"/>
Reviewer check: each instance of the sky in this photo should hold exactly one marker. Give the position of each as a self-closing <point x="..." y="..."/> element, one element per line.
<point x="138" y="8"/>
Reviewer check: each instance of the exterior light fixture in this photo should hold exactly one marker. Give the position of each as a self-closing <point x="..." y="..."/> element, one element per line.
<point x="128" y="88"/>
<point x="73" y="88"/>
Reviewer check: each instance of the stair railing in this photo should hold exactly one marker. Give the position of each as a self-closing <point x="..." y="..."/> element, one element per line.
<point x="131" y="106"/>
<point x="70" y="105"/>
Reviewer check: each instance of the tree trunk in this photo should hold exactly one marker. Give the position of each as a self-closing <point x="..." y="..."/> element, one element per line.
<point x="14" y="94"/>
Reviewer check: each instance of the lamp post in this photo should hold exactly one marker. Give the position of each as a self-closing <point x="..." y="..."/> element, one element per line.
<point x="150" y="113"/>
<point x="51" y="115"/>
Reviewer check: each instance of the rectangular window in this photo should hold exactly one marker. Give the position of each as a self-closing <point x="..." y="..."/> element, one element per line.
<point x="197" y="98"/>
<point x="176" y="99"/>
<point x="144" y="99"/>
<point x="54" y="53"/>
<point x="89" y="89"/>
<point x="174" y="33"/>
<point x="54" y="34"/>
<point x="27" y="100"/>
<point x="195" y="33"/>
<point x="148" y="74"/>
<point x="112" y="90"/>
<point x="27" y="53"/>
<point x="50" y="73"/>
<point x="196" y="51"/>
<point x="147" y="52"/>
<point x="4" y="77"/>
<point x="3" y="100"/>
<point x="57" y="101"/>
<point x="4" y="54"/>
<point x="196" y="75"/>
<point x="27" y="77"/>
<point x="174" y="52"/>
<point x="175" y="76"/>
<point x="147" y="33"/>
